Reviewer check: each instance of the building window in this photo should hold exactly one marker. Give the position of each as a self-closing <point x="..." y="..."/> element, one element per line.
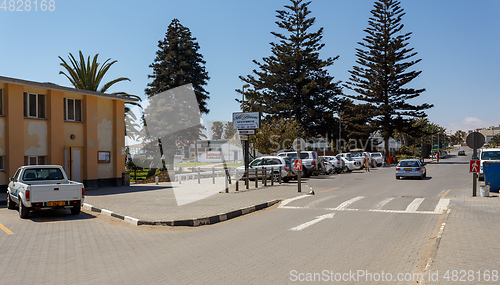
<point x="72" y="110"/>
<point x="34" y="160"/>
<point x="34" y="105"/>
<point x="1" y="103"/>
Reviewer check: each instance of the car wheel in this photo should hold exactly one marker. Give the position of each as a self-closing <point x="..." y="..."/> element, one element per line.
<point x="286" y="179"/>
<point x="10" y="204"/>
<point x="421" y="177"/>
<point x="24" y="211"/>
<point x="379" y="164"/>
<point x="481" y="178"/>
<point x="398" y="177"/>
<point x="425" y="175"/>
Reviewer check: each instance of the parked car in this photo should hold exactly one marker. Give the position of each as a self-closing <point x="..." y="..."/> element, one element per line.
<point x="411" y="168"/>
<point x="378" y="158"/>
<point x="461" y="152"/>
<point x="310" y="162"/>
<point x="273" y="165"/>
<point x="338" y="164"/>
<point x="350" y="163"/>
<point x="487" y="154"/>
<point x="43" y="187"/>
<point x="357" y="156"/>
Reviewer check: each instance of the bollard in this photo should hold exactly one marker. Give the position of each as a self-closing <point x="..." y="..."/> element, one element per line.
<point x="199" y="175"/>
<point x="156" y="180"/>
<point x="180" y="178"/>
<point x="279" y="176"/>
<point x="213" y="175"/>
<point x="256" y="178"/>
<point x="226" y="181"/>
<point x="247" y="179"/>
<point x="264" y="172"/>
<point x="272" y="176"/>
<point x="237" y="180"/>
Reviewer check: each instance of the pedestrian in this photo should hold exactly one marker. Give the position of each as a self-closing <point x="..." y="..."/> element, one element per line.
<point x="437" y="156"/>
<point x="367" y="165"/>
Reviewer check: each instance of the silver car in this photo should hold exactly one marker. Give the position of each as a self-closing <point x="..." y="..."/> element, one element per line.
<point x="411" y="168"/>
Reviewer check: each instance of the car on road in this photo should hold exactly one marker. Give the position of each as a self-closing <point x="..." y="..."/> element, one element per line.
<point x="487" y="154"/>
<point x="273" y="165"/>
<point x="350" y="164"/>
<point x="377" y="157"/>
<point x="43" y="187"/>
<point x="338" y="164"/>
<point x="461" y="152"/>
<point x="411" y="168"/>
<point x="311" y="163"/>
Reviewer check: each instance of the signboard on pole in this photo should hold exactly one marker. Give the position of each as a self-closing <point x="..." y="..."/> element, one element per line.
<point x="246" y="132"/>
<point x="474" y="166"/>
<point x="298" y="165"/>
<point x="246" y="120"/>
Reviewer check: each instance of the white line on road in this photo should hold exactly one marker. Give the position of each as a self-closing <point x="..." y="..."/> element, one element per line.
<point x="347" y="203"/>
<point x="442" y="205"/>
<point x="286" y="201"/>
<point x="412" y="208"/>
<point x="382" y="203"/>
<point x="317" y="220"/>
<point x="316" y="202"/>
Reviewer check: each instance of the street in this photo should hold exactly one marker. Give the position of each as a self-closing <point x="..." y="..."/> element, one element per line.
<point x="358" y="228"/>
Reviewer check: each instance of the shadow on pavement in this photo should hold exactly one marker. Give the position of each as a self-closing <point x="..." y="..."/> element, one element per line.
<point x="127" y="189"/>
<point x="61" y="215"/>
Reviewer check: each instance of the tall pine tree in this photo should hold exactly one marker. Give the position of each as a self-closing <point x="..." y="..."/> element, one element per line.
<point x="178" y="63"/>
<point x="383" y="71"/>
<point x="293" y="81"/>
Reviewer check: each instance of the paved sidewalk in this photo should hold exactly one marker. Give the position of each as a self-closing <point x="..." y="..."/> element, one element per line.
<point x="470" y="242"/>
<point x="185" y="204"/>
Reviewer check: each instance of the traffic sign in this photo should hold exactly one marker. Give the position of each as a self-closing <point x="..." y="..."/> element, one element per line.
<point x="479" y="140"/>
<point x="474" y="166"/>
<point x="298" y="165"/>
<point x="246" y="132"/>
<point x="243" y="137"/>
<point x="299" y="144"/>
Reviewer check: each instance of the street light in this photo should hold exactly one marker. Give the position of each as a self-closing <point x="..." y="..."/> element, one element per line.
<point x="245" y="142"/>
<point x="243" y="95"/>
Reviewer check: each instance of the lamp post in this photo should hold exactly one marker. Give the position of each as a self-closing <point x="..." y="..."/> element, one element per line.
<point x="243" y="95"/>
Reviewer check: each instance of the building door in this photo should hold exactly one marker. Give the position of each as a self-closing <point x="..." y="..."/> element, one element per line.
<point x="73" y="163"/>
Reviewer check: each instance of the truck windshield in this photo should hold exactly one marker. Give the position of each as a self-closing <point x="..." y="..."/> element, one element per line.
<point x="42" y="174"/>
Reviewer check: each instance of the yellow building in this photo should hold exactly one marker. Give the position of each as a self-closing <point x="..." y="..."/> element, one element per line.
<point x="43" y="123"/>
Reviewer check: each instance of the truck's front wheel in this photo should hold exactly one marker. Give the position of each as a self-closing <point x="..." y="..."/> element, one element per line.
<point x="24" y="212"/>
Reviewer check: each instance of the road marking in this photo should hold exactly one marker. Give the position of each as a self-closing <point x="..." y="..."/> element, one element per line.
<point x="413" y="206"/>
<point x="287" y="201"/>
<point x="382" y="204"/>
<point x="5" y="229"/>
<point x="310" y="223"/>
<point x="431" y="168"/>
<point x="445" y="193"/>
<point x="442" y="205"/>
<point x="347" y="203"/>
<point x="315" y="202"/>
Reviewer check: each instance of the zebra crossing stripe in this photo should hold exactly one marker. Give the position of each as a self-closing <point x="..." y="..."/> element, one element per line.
<point x="413" y="206"/>
<point x="347" y="203"/>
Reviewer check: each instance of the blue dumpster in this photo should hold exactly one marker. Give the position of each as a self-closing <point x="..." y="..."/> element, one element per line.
<point x="491" y="170"/>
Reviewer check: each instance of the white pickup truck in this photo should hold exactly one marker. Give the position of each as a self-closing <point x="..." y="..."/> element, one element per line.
<point x="43" y="187"/>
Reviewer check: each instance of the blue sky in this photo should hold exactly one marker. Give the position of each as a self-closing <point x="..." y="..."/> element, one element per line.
<point x="457" y="40"/>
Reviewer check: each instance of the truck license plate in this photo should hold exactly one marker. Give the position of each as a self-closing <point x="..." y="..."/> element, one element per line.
<point x="58" y="203"/>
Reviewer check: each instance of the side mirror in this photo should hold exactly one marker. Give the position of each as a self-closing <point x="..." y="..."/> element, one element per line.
<point x="11" y="179"/>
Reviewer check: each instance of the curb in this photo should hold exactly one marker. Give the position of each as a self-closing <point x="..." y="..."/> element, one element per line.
<point x="187" y="223"/>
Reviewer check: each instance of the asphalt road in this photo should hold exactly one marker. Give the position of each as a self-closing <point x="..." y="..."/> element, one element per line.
<point x="358" y="228"/>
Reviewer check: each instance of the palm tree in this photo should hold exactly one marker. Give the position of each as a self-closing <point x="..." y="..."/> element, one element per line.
<point x="88" y="75"/>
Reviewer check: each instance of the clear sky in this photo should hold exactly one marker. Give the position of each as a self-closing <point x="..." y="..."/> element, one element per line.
<point x="457" y="40"/>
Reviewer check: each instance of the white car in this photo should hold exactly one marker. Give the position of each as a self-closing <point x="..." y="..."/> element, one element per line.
<point x="273" y="165"/>
<point x="43" y="187"/>
<point x="487" y="154"/>
<point x="350" y="163"/>
<point x="377" y="157"/>
<point x="338" y="164"/>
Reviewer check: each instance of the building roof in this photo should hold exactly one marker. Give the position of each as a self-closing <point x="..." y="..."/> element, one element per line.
<point x="52" y="86"/>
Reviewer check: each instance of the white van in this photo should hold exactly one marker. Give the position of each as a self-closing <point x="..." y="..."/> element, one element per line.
<point x="487" y="154"/>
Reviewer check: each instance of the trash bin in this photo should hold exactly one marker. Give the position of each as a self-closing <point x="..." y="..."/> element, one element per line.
<point x="491" y="170"/>
<point x="484" y="190"/>
<point x="125" y="179"/>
